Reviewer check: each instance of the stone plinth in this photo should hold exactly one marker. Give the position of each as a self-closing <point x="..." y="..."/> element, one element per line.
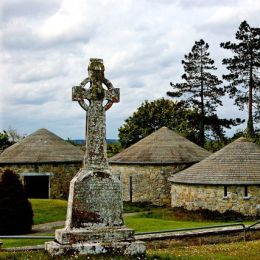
<point x="89" y="248"/>
<point x="64" y="236"/>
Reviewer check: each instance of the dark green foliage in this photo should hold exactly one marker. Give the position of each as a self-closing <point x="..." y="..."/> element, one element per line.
<point x="16" y="215"/>
<point x="200" y="88"/>
<point x="4" y="140"/>
<point x="151" y="116"/>
<point x="244" y="69"/>
<point x="257" y="136"/>
<point x="130" y="207"/>
<point x="113" y="148"/>
<point x="214" y="146"/>
<point x="206" y="215"/>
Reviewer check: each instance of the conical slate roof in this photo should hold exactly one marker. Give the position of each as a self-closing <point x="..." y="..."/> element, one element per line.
<point x="236" y="163"/>
<point x="40" y="147"/>
<point x="161" y="147"/>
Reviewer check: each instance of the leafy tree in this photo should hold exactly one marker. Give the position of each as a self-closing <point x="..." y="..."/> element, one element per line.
<point x="200" y="89"/>
<point x="4" y="140"/>
<point x="244" y="68"/>
<point x="151" y="116"/>
<point x="16" y="215"/>
<point x="113" y="149"/>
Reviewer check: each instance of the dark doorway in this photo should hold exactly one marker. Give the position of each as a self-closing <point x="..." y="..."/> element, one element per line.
<point x="37" y="186"/>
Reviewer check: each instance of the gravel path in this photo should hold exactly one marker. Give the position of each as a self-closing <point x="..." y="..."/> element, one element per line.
<point x="47" y="227"/>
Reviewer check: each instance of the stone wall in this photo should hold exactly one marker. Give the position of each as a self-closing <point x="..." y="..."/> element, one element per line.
<point x="62" y="175"/>
<point x="146" y="183"/>
<point x="194" y="197"/>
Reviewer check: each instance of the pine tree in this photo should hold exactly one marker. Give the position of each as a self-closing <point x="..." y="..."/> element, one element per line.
<point x="200" y="89"/>
<point x="244" y="69"/>
<point x="16" y="215"/>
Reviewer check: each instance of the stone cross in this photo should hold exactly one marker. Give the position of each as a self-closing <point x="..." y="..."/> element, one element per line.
<point x="94" y="223"/>
<point x="95" y="157"/>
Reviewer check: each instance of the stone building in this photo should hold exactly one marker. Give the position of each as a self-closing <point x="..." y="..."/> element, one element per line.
<point x="227" y="180"/>
<point x="45" y="162"/>
<point x="144" y="168"/>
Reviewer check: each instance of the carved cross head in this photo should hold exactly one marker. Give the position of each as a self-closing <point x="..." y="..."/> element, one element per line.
<point x="96" y="91"/>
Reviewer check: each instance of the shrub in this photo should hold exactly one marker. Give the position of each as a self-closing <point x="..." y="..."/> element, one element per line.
<point x="205" y="215"/>
<point x="16" y="215"/>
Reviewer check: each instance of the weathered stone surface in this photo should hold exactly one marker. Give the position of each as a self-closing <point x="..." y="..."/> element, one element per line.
<point x="114" y="248"/>
<point x="64" y="236"/>
<point x="94" y="223"/>
<point x="211" y="197"/>
<point x="94" y="201"/>
<point x="149" y="182"/>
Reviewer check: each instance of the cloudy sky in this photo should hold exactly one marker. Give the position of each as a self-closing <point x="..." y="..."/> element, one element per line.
<point x="46" y="46"/>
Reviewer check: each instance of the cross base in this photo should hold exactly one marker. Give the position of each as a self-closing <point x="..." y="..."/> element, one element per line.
<point x="108" y="234"/>
<point x="136" y="248"/>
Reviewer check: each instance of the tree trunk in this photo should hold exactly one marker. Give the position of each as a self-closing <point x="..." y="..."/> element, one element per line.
<point x="202" y="112"/>
<point x="250" y="123"/>
<point x="202" y="117"/>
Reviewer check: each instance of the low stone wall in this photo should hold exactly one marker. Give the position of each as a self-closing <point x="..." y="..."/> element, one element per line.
<point x="194" y="197"/>
<point x="146" y="183"/>
<point x="62" y="175"/>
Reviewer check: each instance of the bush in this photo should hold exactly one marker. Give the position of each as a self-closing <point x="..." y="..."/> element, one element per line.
<point x="206" y="215"/>
<point x="16" y="215"/>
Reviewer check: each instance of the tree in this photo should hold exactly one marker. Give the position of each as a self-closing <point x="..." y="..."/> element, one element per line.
<point x="16" y="215"/>
<point x="14" y="136"/>
<point x="113" y="148"/>
<point x="4" y="140"/>
<point x="151" y="116"/>
<point x="200" y="89"/>
<point x="244" y="69"/>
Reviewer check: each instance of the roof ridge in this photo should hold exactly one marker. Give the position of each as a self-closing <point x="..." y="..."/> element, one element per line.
<point x="164" y="146"/>
<point x="41" y="146"/>
<point x="237" y="162"/>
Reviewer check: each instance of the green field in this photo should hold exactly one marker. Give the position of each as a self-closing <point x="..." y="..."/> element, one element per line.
<point x="155" y="219"/>
<point x="233" y="251"/>
<point x="48" y="210"/>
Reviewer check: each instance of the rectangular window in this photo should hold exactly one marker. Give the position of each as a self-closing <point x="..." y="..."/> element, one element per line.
<point x="246" y="191"/>
<point x="225" y="191"/>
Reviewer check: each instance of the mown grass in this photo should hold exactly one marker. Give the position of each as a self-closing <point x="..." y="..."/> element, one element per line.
<point x="7" y="243"/>
<point x="48" y="210"/>
<point x="55" y="210"/>
<point x="164" y="219"/>
<point x="155" y="220"/>
<point x="233" y="251"/>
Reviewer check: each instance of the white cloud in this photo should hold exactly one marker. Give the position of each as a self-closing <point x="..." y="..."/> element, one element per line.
<point x="46" y="46"/>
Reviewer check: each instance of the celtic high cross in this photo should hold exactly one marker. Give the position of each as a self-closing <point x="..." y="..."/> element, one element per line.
<point x="95" y="157"/>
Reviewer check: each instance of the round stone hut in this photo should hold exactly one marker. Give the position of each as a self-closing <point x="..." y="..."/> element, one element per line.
<point x="227" y="180"/>
<point x="144" y="168"/>
<point x="45" y="162"/>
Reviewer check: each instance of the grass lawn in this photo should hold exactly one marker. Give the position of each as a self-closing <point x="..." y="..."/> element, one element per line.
<point x="233" y="251"/>
<point x="45" y="210"/>
<point x="164" y="219"/>
<point x="22" y="242"/>
<point x="155" y="220"/>
<point x="54" y="210"/>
